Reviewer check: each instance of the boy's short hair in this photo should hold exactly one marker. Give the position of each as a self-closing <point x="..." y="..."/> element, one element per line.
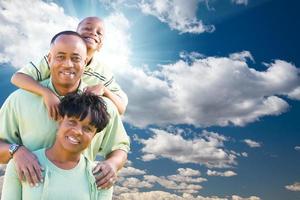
<point x="79" y="105"/>
<point x="66" y="33"/>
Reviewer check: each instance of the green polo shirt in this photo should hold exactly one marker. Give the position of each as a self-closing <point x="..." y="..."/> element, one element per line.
<point x="24" y="120"/>
<point x="94" y="73"/>
<point x="73" y="184"/>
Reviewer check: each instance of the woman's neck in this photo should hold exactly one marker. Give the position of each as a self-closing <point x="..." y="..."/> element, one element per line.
<point x="62" y="158"/>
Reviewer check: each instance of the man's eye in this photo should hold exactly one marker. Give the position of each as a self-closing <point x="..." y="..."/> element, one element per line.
<point x="76" y="59"/>
<point x="60" y="58"/>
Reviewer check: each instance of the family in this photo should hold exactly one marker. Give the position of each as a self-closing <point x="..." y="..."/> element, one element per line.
<point x="66" y="113"/>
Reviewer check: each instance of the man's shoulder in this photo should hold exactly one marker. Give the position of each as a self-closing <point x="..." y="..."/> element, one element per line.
<point x="22" y="96"/>
<point x="110" y="106"/>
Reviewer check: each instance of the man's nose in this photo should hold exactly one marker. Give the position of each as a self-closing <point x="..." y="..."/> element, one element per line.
<point x="68" y="63"/>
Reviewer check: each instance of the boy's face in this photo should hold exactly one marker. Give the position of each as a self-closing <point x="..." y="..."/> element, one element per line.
<point x="75" y="135"/>
<point x="67" y="59"/>
<point x="92" y="31"/>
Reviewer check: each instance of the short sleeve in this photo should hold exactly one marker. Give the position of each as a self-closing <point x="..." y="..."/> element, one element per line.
<point x="114" y="87"/>
<point x="38" y="70"/>
<point x="12" y="187"/>
<point x="9" y="130"/>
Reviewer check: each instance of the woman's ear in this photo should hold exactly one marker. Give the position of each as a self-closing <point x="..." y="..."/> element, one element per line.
<point x="59" y="119"/>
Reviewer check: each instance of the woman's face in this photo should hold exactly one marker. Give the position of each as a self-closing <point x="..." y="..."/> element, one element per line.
<point x="75" y="135"/>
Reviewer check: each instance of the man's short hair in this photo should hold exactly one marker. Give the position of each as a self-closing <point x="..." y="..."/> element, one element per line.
<point x="66" y="33"/>
<point x="79" y="105"/>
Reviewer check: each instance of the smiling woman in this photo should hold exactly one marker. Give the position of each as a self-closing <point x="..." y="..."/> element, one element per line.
<point x="82" y="116"/>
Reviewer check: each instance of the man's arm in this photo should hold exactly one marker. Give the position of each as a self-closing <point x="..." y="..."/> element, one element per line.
<point x="106" y="172"/>
<point x="27" y="165"/>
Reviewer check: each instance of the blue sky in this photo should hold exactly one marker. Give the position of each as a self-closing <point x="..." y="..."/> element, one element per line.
<point x="213" y="89"/>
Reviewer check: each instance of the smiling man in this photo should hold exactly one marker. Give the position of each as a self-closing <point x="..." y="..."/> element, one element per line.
<point x="26" y="125"/>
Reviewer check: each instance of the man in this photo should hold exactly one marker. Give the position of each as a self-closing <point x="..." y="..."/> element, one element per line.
<point x="26" y="126"/>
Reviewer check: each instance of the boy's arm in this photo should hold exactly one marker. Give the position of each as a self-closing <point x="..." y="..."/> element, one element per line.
<point x="120" y="104"/>
<point x="26" y="82"/>
<point x="104" y="91"/>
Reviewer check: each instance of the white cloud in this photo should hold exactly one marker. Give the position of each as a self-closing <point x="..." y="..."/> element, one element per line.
<point x="130" y="171"/>
<point x="241" y="56"/>
<point x="188" y="172"/>
<point x="173" y="185"/>
<point x="132" y="182"/>
<point x="245" y="154"/>
<point x="121" y="190"/>
<point x="187" y="175"/>
<point x="240" y="2"/>
<point x="115" y="51"/>
<point x="297" y="148"/>
<point x="180" y="15"/>
<point x="197" y="93"/>
<point x="225" y="174"/>
<point x="206" y="150"/>
<point x="236" y="197"/>
<point x="252" y="143"/>
<point x="295" y="187"/>
<point x="161" y="195"/>
<point x="25" y="34"/>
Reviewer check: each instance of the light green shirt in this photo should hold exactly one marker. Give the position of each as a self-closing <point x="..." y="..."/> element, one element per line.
<point x="94" y="73"/>
<point x="74" y="184"/>
<point x="24" y="120"/>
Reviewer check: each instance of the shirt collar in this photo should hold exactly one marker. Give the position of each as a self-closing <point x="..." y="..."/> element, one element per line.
<point x="48" y="83"/>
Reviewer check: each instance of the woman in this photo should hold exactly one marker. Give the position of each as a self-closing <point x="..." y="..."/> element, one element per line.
<point x="67" y="173"/>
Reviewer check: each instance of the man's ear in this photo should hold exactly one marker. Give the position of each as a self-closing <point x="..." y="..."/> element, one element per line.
<point x="49" y="57"/>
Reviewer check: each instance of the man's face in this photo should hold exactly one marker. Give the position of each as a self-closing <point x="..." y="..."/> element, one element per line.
<point x="67" y="59"/>
<point x="75" y="135"/>
<point x="92" y="31"/>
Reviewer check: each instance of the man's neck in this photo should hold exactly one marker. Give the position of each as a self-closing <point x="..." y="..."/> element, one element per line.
<point x="63" y="91"/>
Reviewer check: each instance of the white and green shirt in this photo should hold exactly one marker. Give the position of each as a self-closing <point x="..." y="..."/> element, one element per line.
<point x="74" y="184"/>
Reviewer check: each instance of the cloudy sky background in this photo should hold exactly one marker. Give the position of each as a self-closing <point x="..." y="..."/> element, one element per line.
<point x="213" y="87"/>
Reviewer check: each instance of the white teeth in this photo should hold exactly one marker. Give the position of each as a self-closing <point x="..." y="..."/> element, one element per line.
<point x="73" y="140"/>
<point x="90" y="39"/>
<point x="67" y="73"/>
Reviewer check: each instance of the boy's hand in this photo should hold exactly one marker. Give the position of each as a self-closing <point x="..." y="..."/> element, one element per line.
<point x="27" y="166"/>
<point x="96" y="89"/>
<point x="105" y="174"/>
<point x="51" y="101"/>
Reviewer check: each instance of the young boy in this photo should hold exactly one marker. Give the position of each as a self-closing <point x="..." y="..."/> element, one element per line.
<point x="99" y="78"/>
<point x="67" y="174"/>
